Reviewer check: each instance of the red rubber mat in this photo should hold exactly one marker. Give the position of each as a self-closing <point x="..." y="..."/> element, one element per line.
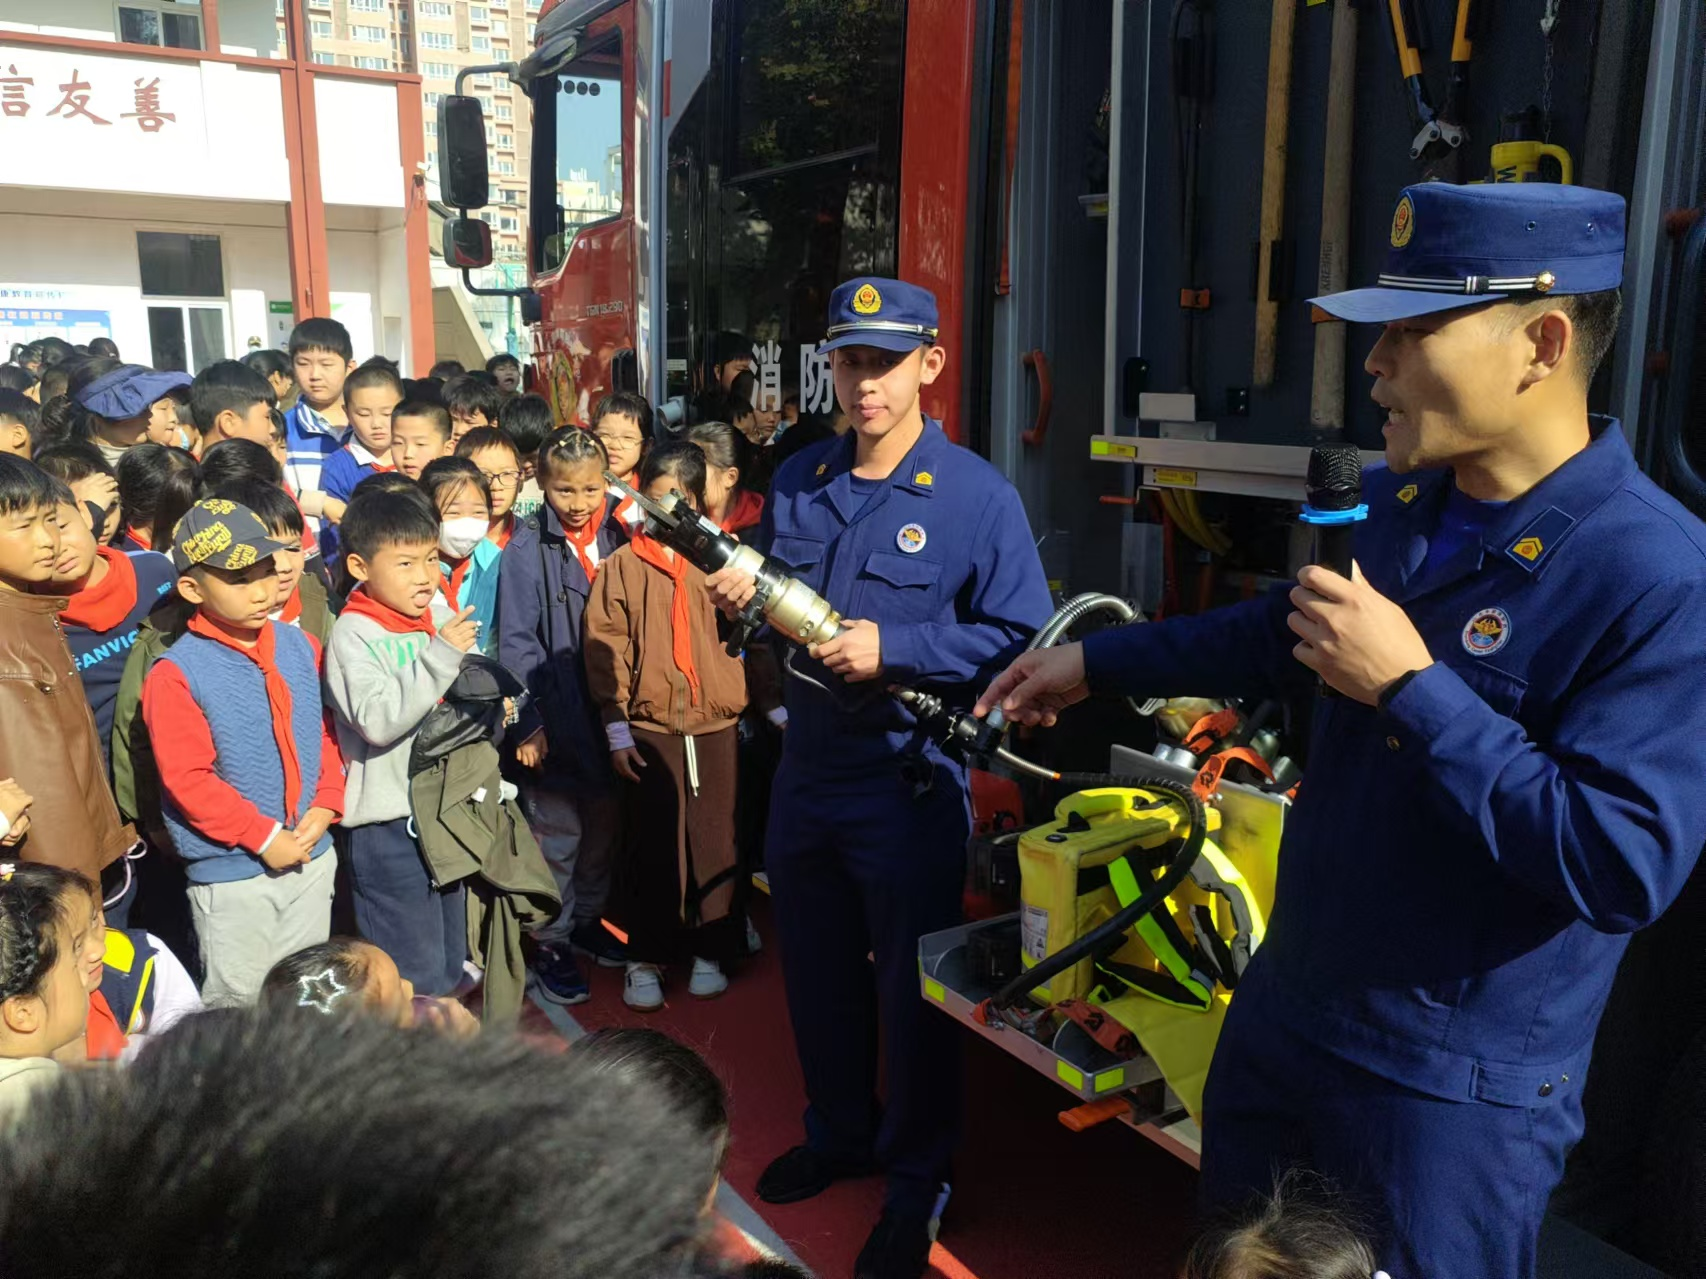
<point x="1031" y="1199"/>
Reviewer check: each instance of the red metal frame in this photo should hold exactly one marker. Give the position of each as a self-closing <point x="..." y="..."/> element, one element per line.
<point x="423" y="345"/>
<point x="935" y="177"/>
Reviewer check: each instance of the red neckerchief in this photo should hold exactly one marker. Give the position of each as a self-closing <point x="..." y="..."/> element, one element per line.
<point x="278" y="703"/>
<point x="452" y="585"/>
<point x="745" y="511"/>
<point x="502" y="539"/>
<point x="140" y="536"/>
<point x="291" y="613"/>
<point x="626" y="508"/>
<point x="100" y="608"/>
<point x="583" y="541"/>
<point x="103" y="1038"/>
<point x="680" y="606"/>
<point x="364" y="605"/>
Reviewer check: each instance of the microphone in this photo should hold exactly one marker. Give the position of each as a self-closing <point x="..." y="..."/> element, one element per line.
<point x="1333" y="507"/>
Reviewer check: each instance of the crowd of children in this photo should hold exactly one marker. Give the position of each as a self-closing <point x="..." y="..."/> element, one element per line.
<point x="244" y="592"/>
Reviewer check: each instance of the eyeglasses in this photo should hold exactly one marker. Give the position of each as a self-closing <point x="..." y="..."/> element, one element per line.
<point x="502" y="479"/>
<point x="617" y="441"/>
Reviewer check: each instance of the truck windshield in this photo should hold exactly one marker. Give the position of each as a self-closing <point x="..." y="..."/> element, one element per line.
<point x="578" y="163"/>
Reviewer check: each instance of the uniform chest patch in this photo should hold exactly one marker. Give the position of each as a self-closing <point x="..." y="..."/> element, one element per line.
<point x="1487" y="632"/>
<point x="911" y="538"/>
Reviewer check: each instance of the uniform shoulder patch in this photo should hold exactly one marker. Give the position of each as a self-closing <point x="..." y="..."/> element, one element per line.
<point x="821" y="468"/>
<point x="1407" y="494"/>
<point x="1486" y="632"/>
<point x="924" y="478"/>
<point x="1531" y="547"/>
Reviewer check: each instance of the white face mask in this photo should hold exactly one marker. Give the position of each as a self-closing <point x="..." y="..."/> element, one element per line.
<point x="457" y="538"/>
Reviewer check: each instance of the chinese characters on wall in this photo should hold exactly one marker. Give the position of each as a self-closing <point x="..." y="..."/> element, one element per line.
<point x="19" y="96"/>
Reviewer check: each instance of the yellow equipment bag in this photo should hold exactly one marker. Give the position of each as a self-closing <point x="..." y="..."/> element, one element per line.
<point x="1065" y="885"/>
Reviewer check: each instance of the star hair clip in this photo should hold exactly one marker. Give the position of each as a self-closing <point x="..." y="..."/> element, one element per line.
<point x="321" y="992"/>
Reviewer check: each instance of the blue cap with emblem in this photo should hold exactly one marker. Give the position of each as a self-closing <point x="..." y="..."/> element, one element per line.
<point x="872" y="311"/>
<point x="1457" y="246"/>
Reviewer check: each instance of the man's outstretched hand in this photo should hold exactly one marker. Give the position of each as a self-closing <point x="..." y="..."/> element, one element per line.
<point x="1038" y="686"/>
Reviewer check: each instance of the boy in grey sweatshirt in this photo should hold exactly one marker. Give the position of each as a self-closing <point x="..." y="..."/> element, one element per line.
<point x="386" y="668"/>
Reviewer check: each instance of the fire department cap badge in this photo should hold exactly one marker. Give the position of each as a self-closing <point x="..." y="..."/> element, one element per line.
<point x="867" y="301"/>
<point x="1403" y="223"/>
<point x="1487" y="632"/>
<point x="911" y="538"/>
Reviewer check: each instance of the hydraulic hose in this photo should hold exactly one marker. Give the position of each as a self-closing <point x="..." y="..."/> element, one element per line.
<point x="1190" y="848"/>
<point x="1075" y="610"/>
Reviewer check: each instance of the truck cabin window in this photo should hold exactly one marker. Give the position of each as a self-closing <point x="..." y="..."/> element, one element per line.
<point x="578" y="166"/>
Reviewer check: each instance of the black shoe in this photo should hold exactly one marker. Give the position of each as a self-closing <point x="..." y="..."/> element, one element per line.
<point x="899" y="1247"/>
<point x="802" y="1173"/>
<point x="559" y="976"/>
<point x="598" y="941"/>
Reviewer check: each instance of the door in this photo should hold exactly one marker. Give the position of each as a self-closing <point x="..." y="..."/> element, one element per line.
<point x="188" y="336"/>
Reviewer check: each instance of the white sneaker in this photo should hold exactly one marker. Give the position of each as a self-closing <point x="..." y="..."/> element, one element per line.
<point x="642" y="988"/>
<point x="707" y="981"/>
<point x="754" y="943"/>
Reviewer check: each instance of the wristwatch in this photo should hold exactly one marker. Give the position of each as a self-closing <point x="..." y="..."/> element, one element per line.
<point x="1384" y="698"/>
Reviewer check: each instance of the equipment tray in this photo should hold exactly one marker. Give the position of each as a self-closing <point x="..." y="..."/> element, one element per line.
<point x="1073" y="1060"/>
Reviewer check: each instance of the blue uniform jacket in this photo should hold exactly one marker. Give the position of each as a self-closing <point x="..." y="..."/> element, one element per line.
<point x="542" y="594"/>
<point x="1460" y="874"/>
<point x="940" y="557"/>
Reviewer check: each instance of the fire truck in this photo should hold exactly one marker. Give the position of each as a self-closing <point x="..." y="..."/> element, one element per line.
<point x="1122" y="209"/>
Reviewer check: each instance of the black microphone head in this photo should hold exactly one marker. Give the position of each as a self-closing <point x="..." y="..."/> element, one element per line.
<point x="1334" y="482"/>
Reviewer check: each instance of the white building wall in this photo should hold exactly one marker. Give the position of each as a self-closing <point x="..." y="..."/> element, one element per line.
<point x="360" y="157"/>
<point x="245" y="26"/>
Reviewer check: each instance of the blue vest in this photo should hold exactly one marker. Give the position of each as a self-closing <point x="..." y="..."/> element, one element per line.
<point x="232" y="693"/>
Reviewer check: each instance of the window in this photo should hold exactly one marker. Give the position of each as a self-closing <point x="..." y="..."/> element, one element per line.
<point x="403" y="46"/>
<point x="373" y="64"/>
<point x="326" y="59"/>
<point x="491" y="134"/>
<point x="176" y="265"/>
<point x="319" y="4"/>
<point x="577" y="148"/>
<point x="435" y="9"/>
<point x="186" y="339"/>
<point x="500" y="29"/>
<point x="367" y="6"/>
<point x="481" y="44"/>
<point x="504" y="111"/>
<point x="477" y="13"/>
<point x="506" y="166"/>
<point x="432" y="128"/>
<point x="506" y="141"/>
<point x="169" y="30"/>
<point x="278" y="7"/>
<point x="320" y="27"/>
<point x="532" y="27"/>
<point x="508" y="223"/>
<point x="369" y="35"/>
<point x="432" y="100"/>
<point x="532" y="7"/>
<point x="436" y="40"/>
<point x="438" y="70"/>
<point x="485" y="102"/>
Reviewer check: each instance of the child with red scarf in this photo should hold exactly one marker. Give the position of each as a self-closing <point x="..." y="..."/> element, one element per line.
<point x="250" y="773"/>
<point x="728" y="462"/>
<point x="567" y="789"/>
<point x="108" y="594"/>
<point x="623" y="424"/>
<point x="670" y="696"/>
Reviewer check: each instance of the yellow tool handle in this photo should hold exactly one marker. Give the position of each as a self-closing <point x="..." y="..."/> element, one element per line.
<point x="1327" y="386"/>
<point x="1409" y="57"/>
<point x="1462" y="48"/>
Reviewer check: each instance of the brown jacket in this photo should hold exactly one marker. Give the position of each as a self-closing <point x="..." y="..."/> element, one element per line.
<point x="48" y="743"/>
<point x="630" y="666"/>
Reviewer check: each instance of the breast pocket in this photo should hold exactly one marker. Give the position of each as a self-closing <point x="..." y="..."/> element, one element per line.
<point x="802" y="555"/>
<point x="898" y="588"/>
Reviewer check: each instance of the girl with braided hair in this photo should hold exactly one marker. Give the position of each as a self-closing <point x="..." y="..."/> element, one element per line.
<point x="51" y="940"/>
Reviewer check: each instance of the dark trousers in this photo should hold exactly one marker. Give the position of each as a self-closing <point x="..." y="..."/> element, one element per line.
<point x="858" y="867"/>
<point x="1458" y="1187"/>
<point x="425" y="929"/>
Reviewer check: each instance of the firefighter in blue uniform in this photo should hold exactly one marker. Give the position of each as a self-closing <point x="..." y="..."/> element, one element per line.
<point x="925" y="548"/>
<point x="1512" y="780"/>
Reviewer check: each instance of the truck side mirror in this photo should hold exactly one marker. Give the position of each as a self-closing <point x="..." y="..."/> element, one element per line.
<point x="463" y="180"/>
<point x="467" y="243"/>
<point x="532" y="308"/>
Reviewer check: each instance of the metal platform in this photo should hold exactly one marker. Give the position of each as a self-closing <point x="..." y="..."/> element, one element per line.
<point x="1210" y="466"/>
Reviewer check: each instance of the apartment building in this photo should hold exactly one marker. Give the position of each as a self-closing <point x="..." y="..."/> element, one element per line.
<point x="435" y="39"/>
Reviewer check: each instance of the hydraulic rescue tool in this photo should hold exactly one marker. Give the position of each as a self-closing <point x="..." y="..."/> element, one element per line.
<point x="795" y="611"/>
<point x="1439" y="131"/>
